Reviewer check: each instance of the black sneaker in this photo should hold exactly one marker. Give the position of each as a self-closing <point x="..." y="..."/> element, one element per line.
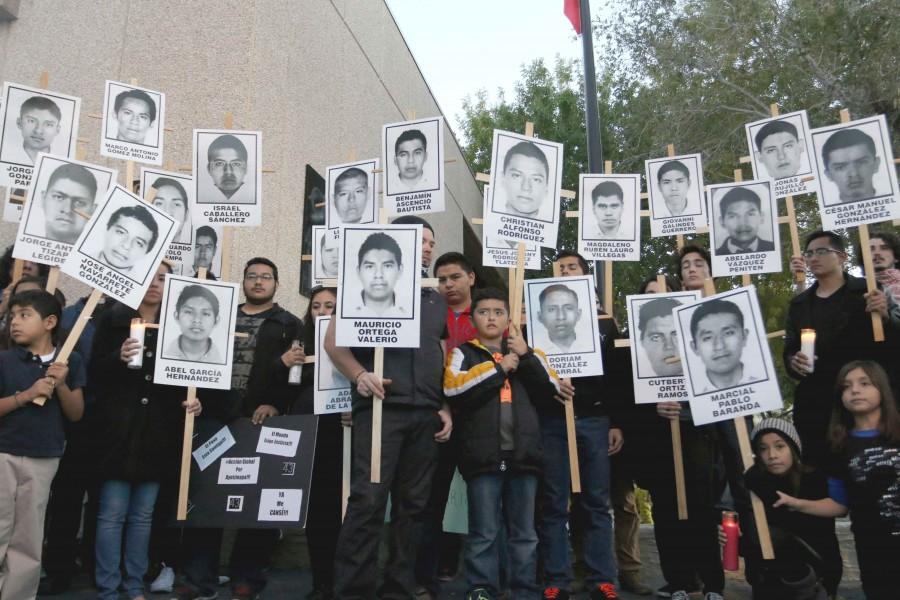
<point x="183" y="592"/>
<point x="53" y="586"/>
<point x="667" y="590"/>
<point x="479" y="593"/>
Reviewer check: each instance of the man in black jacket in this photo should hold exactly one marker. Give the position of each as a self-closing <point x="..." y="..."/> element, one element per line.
<point x="262" y="359"/>
<point x="838" y="307"/>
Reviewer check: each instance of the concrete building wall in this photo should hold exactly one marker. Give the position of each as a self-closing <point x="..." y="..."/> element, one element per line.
<point x="317" y="77"/>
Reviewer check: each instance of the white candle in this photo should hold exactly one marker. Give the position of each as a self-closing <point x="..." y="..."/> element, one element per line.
<point x="808" y="346"/>
<point x="295" y="375"/>
<point x="137" y="332"/>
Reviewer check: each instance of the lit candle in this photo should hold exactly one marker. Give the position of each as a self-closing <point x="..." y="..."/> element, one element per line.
<point x="295" y="375"/>
<point x="808" y="346"/>
<point x="137" y="333"/>
<point x="732" y="534"/>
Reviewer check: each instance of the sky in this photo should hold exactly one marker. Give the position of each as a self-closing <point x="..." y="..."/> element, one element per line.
<point x="462" y="46"/>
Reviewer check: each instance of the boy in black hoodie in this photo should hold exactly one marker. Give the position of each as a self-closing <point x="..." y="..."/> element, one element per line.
<point x="495" y="384"/>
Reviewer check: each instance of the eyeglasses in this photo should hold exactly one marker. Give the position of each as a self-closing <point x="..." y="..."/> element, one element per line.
<point x="820" y="252"/>
<point x="235" y="165"/>
<point x="259" y="277"/>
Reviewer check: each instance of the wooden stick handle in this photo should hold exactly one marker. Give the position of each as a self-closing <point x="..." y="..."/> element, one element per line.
<point x="871" y="285"/>
<point x="345" y="469"/>
<point x="759" y="511"/>
<point x="571" y="438"/>
<point x="18" y="269"/>
<point x="608" y="287"/>
<point x="678" y="458"/>
<point x="187" y="439"/>
<point x="52" y="279"/>
<point x="377" y="409"/>
<point x="799" y="276"/>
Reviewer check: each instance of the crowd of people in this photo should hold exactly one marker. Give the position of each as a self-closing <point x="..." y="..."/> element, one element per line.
<point x="474" y="396"/>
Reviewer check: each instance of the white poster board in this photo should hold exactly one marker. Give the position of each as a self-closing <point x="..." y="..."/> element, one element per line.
<point x="174" y="196"/>
<point x="562" y="322"/>
<point x="350" y="193"/>
<point x="526" y="177"/>
<point x="379" y="295"/>
<point x="228" y="176"/>
<point x="121" y="247"/>
<point x="609" y="221"/>
<point x="855" y="167"/>
<point x="675" y="188"/>
<point x="744" y="237"/>
<point x="196" y="341"/>
<point x="63" y="195"/>
<point x="32" y="121"/>
<point x="133" y="123"/>
<point x="655" y="360"/>
<point x="728" y="363"/>
<point x="413" y="155"/>
<point x="781" y="151"/>
<point x="326" y="255"/>
<point x="498" y="252"/>
<point x="331" y="390"/>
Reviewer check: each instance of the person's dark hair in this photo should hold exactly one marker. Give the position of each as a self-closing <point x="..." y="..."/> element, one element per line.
<point x="715" y="307"/>
<point x="606" y="189"/>
<point x="738" y="194"/>
<point x="530" y="150"/>
<point x="408" y="136"/>
<point x="142" y="215"/>
<point x="40" y="103"/>
<point x="453" y="258"/>
<point x="658" y="307"/>
<point x="890" y="238"/>
<point x="309" y="325"/>
<point x="489" y="293"/>
<point x="226" y="141"/>
<point x="842" y="421"/>
<point x="7" y="262"/>
<point x="585" y="268"/>
<point x="75" y="173"/>
<point x="693" y="249"/>
<point x="773" y="127"/>
<point x="197" y="291"/>
<point x="556" y="287"/>
<point x="795" y="474"/>
<point x="834" y="240"/>
<point x="207" y="231"/>
<point x="260" y="260"/>
<point x="137" y="95"/>
<point x="351" y="173"/>
<point x="672" y="285"/>
<point x="42" y="301"/>
<point x="672" y="165"/>
<point x="41" y="282"/>
<point x="168" y="181"/>
<point x="380" y="241"/>
<point x="845" y="138"/>
<point x="413" y="220"/>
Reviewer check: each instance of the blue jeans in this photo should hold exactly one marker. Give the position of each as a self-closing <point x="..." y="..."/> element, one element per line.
<point x="121" y="502"/>
<point x="495" y="498"/>
<point x="592" y="436"/>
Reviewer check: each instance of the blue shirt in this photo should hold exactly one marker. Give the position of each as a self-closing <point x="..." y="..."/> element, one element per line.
<point x="34" y="431"/>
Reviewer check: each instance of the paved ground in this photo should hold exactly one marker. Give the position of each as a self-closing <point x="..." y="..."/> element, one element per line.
<point x="293" y="583"/>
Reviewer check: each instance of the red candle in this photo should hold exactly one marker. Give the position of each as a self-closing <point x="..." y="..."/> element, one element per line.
<point x="732" y="533"/>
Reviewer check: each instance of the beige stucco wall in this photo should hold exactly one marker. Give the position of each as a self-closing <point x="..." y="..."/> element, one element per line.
<point x="317" y="77"/>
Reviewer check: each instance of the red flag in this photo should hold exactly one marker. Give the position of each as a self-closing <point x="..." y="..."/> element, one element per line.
<point x="572" y="10"/>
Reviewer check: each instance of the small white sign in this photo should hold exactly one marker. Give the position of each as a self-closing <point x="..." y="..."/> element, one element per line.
<point x="213" y="448"/>
<point x="332" y="389"/>
<point x="280" y="505"/>
<point x="502" y="253"/>
<point x="414" y="166"/>
<point x="235" y="504"/>
<point x="675" y="187"/>
<point x="609" y="221"/>
<point x="237" y="470"/>
<point x="281" y="442"/>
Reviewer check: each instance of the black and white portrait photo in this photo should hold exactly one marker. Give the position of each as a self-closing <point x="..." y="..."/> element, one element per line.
<point x="675" y="187"/>
<point x="332" y="389"/>
<point x="173" y="194"/>
<point x="133" y="123"/>
<point x="744" y="237"/>
<point x="609" y="217"/>
<point x="63" y="196"/>
<point x="326" y="254"/>
<point x="562" y="323"/>
<point x="781" y="151"/>
<point x="526" y="175"/>
<point x="413" y="155"/>
<point x="379" y="285"/>
<point x="655" y="359"/>
<point x="197" y="322"/>
<point x="857" y="176"/>
<point x="350" y="193"/>
<point x="207" y="251"/>
<point x="34" y="121"/>
<point x="121" y="246"/>
<point x="503" y="253"/>
<point x="725" y="352"/>
<point x="228" y="176"/>
<point x="13" y="203"/>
